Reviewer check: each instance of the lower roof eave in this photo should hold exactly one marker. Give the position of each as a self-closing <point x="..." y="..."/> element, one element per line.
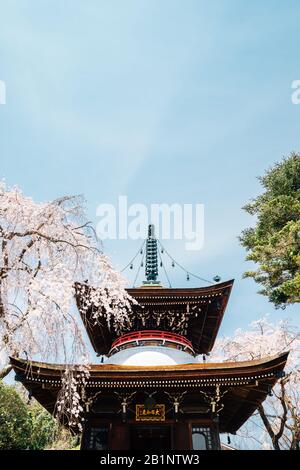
<point x="248" y="382"/>
<point x="105" y="371"/>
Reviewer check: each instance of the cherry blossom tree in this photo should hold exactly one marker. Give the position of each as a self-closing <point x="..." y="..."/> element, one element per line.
<point x="276" y="424"/>
<point x="45" y="249"/>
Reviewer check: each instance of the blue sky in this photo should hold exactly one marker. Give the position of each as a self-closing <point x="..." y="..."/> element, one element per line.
<point x="162" y="101"/>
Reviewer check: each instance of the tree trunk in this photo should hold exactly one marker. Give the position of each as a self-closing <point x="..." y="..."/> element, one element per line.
<point x="268" y="427"/>
<point x="5" y="371"/>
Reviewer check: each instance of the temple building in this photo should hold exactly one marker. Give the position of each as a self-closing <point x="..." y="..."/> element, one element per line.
<point x="154" y="391"/>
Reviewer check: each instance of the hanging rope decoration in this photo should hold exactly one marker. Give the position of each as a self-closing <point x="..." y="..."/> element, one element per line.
<point x="188" y="273"/>
<point x="130" y="264"/>
<point x="162" y="251"/>
<point x="142" y="252"/>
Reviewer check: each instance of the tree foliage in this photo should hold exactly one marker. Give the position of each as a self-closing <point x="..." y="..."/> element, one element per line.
<point x="26" y="425"/>
<point x="274" y="242"/>
<point x="45" y="249"/>
<point x="14" y="419"/>
<point x="276" y="424"/>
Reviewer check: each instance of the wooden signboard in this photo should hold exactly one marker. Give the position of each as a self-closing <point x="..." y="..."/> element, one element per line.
<point x="156" y="413"/>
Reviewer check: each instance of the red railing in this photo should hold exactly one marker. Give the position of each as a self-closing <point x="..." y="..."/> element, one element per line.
<point x="151" y="334"/>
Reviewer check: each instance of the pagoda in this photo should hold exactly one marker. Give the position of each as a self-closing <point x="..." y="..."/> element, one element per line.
<point x="151" y="392"/>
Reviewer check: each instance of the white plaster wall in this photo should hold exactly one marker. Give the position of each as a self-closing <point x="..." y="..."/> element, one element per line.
<point x="151" y="356"/>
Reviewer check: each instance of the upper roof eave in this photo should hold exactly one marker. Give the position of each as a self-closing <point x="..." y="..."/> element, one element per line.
<point x="179" y="291"/>
<point x="271" y="361"/>
<point x="203" y="340"/>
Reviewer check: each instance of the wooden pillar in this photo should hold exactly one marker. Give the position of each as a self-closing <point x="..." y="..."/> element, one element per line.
<point x="181" y="436"/>
<point x="119" y="436"/>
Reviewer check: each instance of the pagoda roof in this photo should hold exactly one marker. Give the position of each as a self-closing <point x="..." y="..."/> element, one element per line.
<point x="245" y="384"/>
<point x="202" y="307"/>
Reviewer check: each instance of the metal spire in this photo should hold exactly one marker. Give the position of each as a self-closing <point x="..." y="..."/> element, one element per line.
<point x="151" y="268"/>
